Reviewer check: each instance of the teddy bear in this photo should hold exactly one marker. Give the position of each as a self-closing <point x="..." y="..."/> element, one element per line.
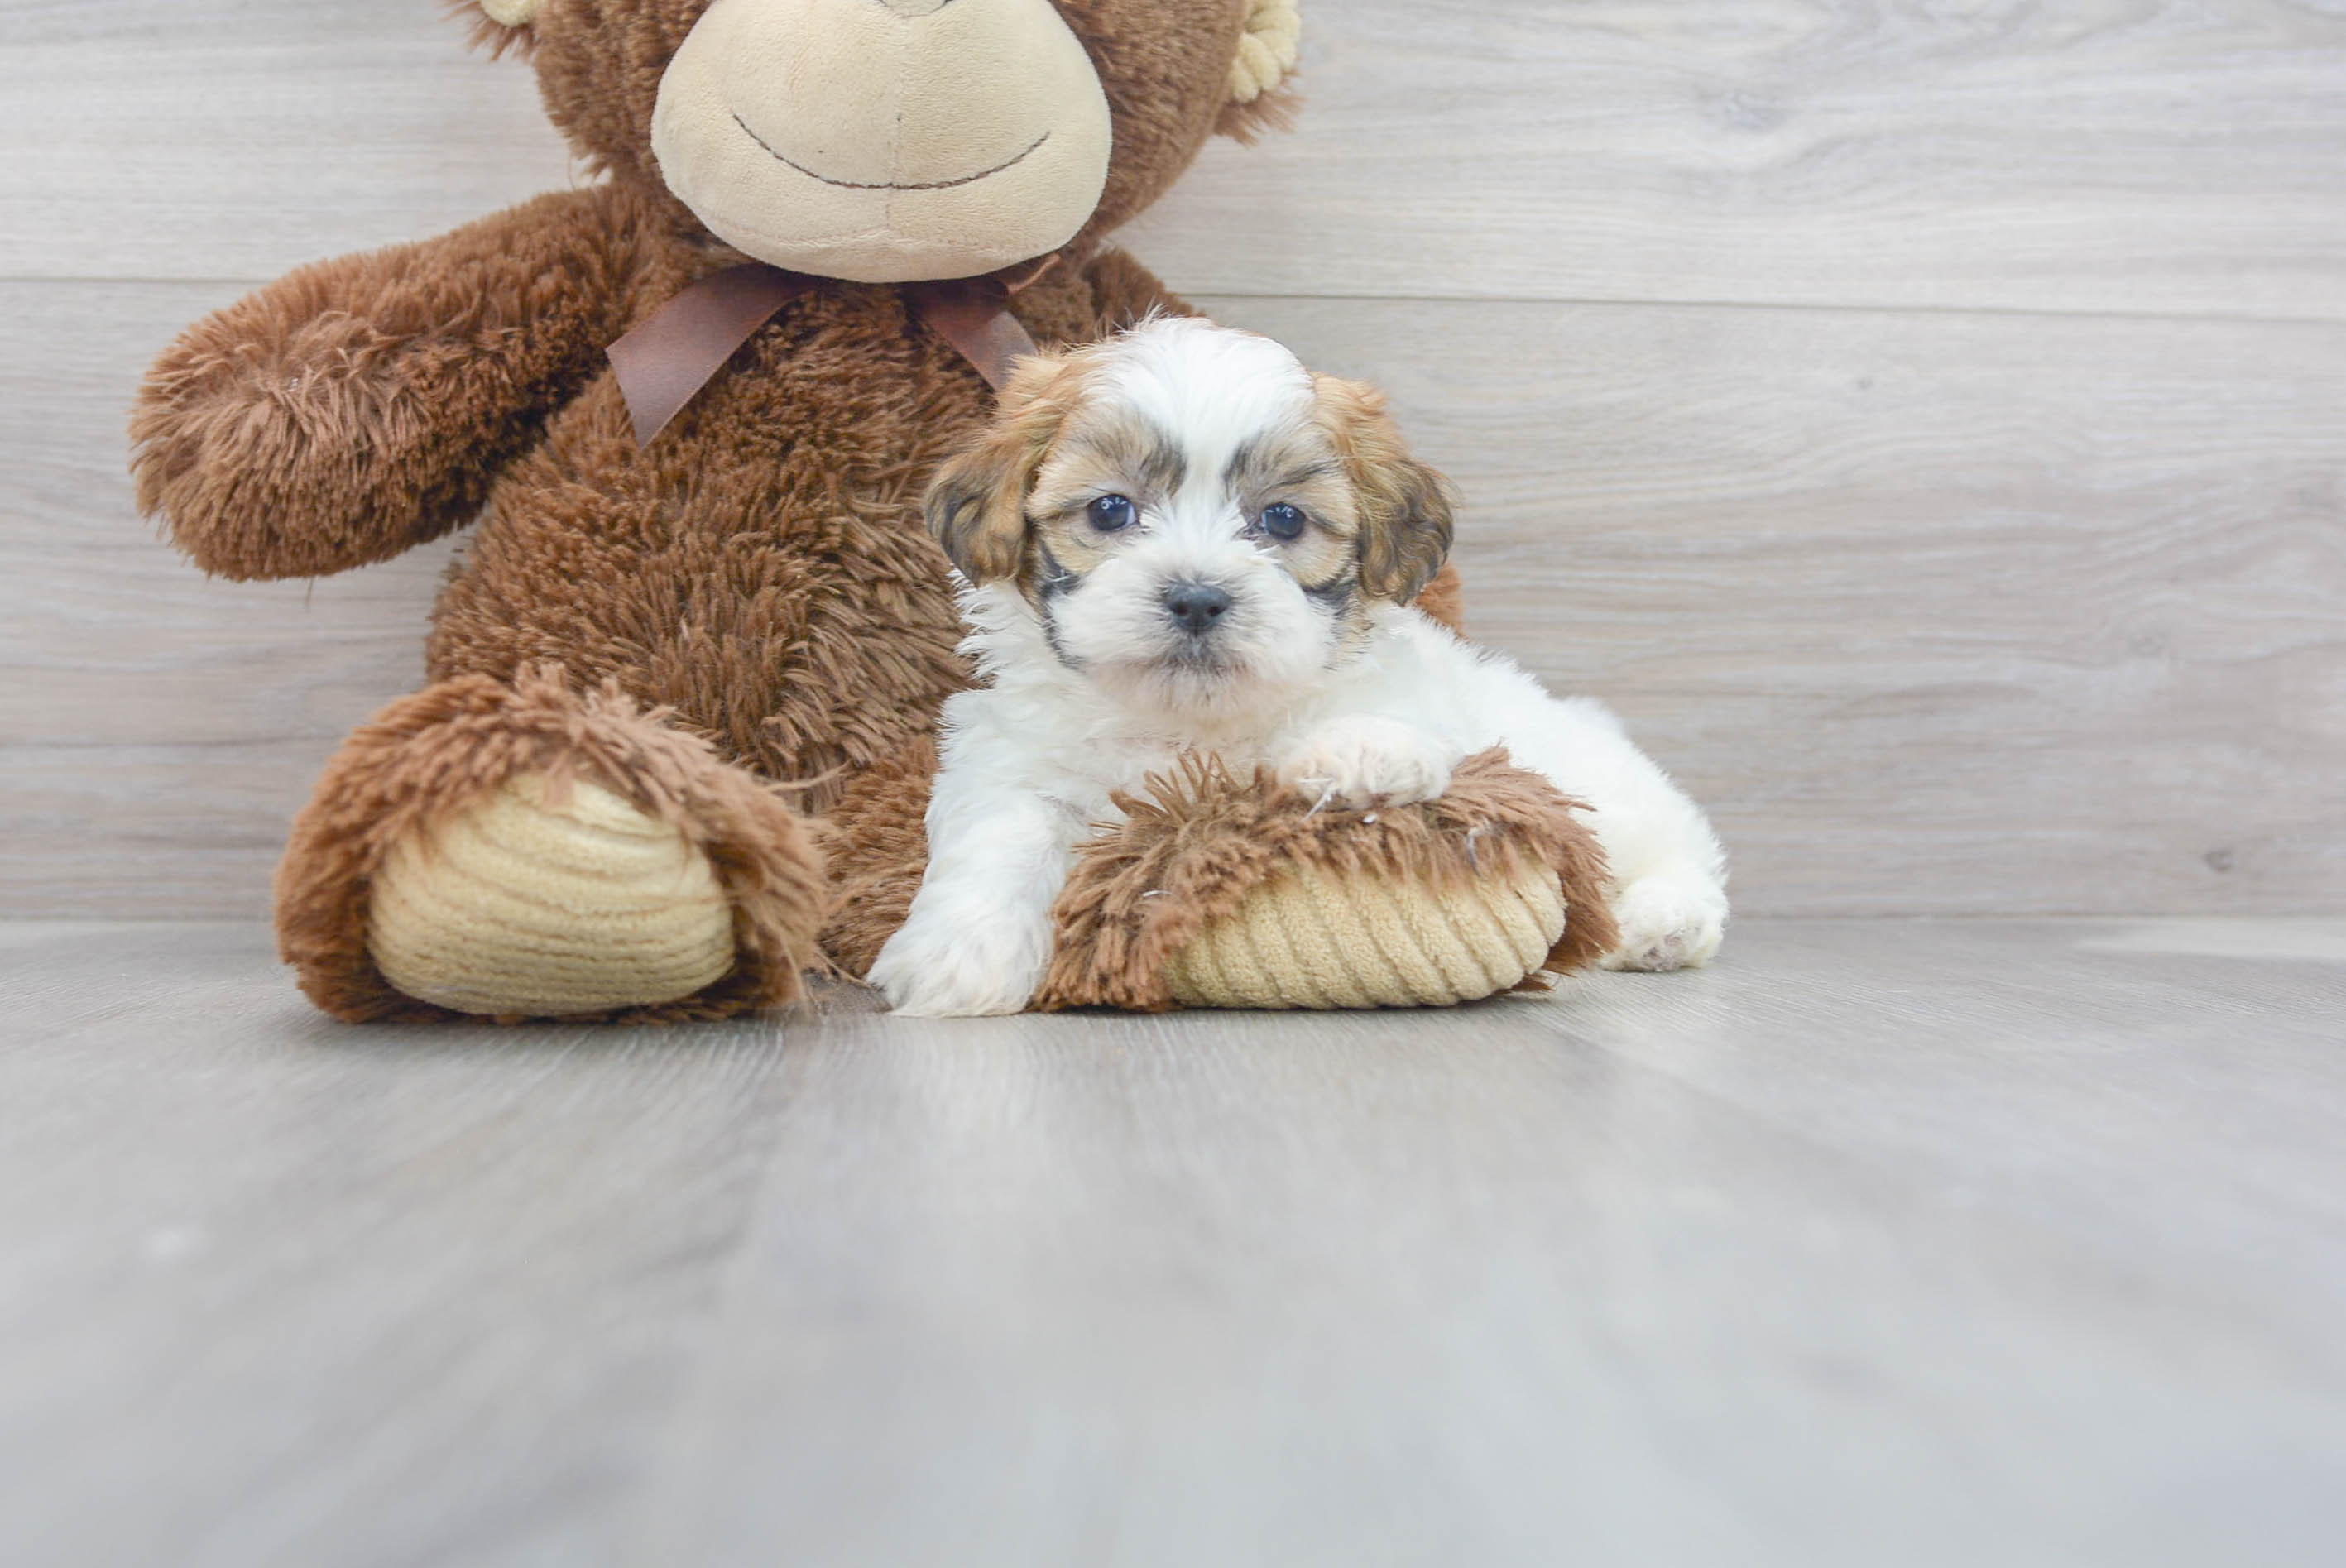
<point x="669" y="754"/>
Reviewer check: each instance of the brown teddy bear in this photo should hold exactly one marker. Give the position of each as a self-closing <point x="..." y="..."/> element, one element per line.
<point x="679" y="683"/>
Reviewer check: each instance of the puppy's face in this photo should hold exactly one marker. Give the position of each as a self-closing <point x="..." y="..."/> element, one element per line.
<point x="1199" y="523"/>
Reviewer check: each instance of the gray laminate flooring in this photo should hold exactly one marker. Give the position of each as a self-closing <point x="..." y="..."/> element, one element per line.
<point x="1881" y="1243"/>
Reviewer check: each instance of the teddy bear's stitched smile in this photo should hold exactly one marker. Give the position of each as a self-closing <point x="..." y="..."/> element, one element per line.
<point x="886" y="184"/>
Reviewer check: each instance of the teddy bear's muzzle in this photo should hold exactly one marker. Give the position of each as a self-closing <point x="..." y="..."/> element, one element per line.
<point x="885" y="141"/>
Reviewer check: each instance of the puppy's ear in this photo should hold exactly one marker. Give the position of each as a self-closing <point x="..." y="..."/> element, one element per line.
<point x="1405" y="507"/>
<point x="977" y="502"/>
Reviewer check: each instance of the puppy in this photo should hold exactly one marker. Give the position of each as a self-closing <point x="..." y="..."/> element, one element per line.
<point x="1179" y="540"/>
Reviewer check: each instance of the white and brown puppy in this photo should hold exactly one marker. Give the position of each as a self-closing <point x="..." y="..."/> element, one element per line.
<point x="1179" y="541"/>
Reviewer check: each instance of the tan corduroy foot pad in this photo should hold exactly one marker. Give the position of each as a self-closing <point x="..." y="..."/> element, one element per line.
<point x="523" y="906"/>
<point x="1225" y="892"/>
<point x="1313" y="938"/>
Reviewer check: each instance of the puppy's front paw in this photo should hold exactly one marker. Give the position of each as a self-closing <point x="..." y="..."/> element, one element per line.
<point x="935" y="969"/>
<point x="1668" y="922"/>
<point x="1368" y="761"/>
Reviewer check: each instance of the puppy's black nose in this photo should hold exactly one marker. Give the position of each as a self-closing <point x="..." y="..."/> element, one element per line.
<point x="1195" y="605"/>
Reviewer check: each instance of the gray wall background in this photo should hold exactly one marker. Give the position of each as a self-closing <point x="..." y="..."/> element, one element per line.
<point x="1926" y="421"/>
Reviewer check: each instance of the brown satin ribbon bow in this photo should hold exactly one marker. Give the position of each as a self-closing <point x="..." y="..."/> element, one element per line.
<point x="663" y="363"/>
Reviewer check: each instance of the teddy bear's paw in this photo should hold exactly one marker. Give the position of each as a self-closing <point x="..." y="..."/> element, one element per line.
<point x="1668" y="922"/>
<point x="1368" y="761"/>
<point x="546" y="902"/>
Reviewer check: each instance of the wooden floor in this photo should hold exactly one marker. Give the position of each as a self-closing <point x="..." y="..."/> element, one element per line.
<point x="1922" y="421"/>
<point x="1887" y="1242"/>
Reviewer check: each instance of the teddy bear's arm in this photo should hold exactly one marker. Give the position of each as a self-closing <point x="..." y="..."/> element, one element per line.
<point x="358" y="407"/>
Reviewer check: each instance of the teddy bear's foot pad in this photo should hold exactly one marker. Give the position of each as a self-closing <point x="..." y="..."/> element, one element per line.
<point x="1224" y="890"/>
<point x="546" y="900"/>
<point x="1310" y="937"/>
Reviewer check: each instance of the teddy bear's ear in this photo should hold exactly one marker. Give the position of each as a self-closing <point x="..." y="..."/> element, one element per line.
<point x="499" y="24"/>
<point x="1258" y="100"/>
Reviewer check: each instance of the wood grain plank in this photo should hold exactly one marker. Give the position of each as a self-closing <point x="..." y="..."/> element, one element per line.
<point x="239" y="138"/>
<point x="2136" y="156"/>
<point x="157" y="729"/>
<point x="1936" y="613"/>
<point x="1843" y="1253"/>
<point x="278" y="1291"/>
<point x="1931" y="1243"/>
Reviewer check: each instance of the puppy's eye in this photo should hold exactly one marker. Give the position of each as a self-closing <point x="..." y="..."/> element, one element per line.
<point x="1282" y="521"/>
<point x="1111" y="512"/>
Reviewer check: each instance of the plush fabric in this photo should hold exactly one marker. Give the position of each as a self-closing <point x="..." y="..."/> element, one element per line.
<point x="1310" y="938"/>
<point x="428" y="757"/>
<point x="968" y="137"/>
<point x="1274" y="33"/>
<point x="553" y="897"/>
<point x="1146" y="904"/>
<point x="1195" y="851"/>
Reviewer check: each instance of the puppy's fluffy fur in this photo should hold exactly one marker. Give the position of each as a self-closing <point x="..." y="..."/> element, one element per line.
<point x="1181" y="540"/>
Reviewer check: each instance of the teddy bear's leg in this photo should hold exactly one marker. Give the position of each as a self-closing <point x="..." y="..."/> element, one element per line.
<point x="524" y="851"/>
